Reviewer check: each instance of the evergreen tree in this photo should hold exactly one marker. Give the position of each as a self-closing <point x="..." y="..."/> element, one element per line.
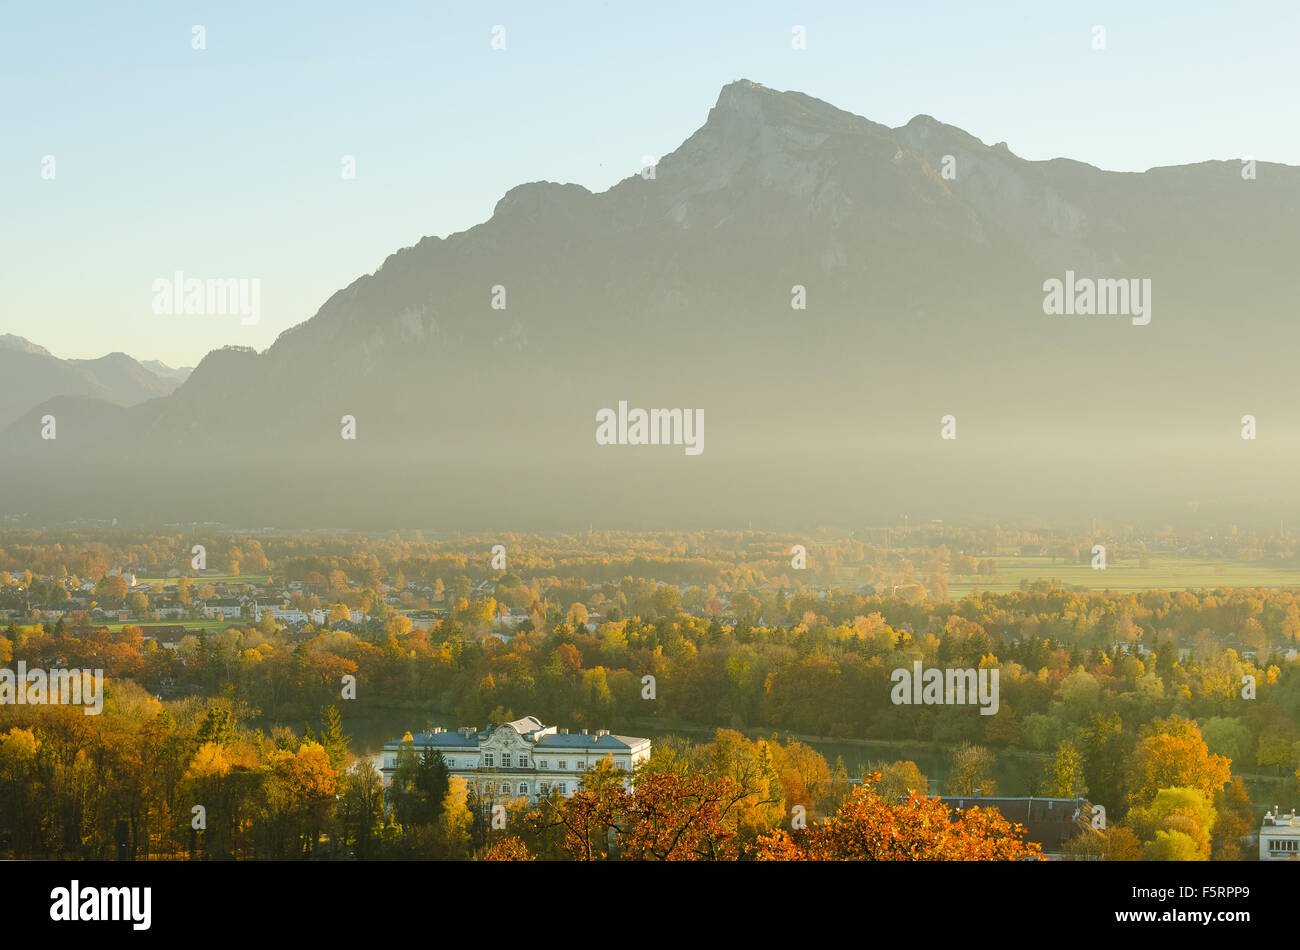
<point x="433" y="781"/>
<point x="333" y="738"/>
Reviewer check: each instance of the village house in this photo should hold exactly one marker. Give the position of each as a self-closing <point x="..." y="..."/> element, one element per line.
<point x="282" y="613"/>
<point x="223" y="608"/>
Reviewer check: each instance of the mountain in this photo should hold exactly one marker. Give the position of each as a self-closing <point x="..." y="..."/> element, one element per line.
<point x="30" y="375"/>
<point x="16" y="344"/>
<point x="923" y="254"/>
<point x="166" y="372"/>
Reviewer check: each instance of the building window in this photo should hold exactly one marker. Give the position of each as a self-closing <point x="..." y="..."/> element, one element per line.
<point x="487" y="760"/>
<point x="562" y="788"/>
<point x="1278" y="846"/>
<point x="544" y="788"/>
<point x="451" y="763"/>
<point x="505" y="788"/>
<point x="542" y="764"/>
<point x="523" y="788"/>
<point x="505" y="760"/>
<point x="523" y="761"/>
<point x="563" y="765"/>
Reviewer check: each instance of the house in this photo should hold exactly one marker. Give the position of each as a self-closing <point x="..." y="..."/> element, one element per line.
<point x="1048" y="821"/>
<point x="284" y="614"/>
<point x="422" y="619"/>
<point x="1279" y="836"/>
<point x="223" y="608"/>
<point x="521" y="759"/>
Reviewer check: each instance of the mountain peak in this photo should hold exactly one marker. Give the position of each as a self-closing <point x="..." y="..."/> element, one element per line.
<point x="747" y="105"/>
<point x="736" y="94"/>
<point x="10" y="341"/>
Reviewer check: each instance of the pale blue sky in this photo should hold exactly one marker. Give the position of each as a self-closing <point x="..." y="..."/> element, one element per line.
<point x="225" y="162"/>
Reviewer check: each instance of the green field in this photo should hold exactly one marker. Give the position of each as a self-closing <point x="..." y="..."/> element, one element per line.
<point x="1160" y="571"/>
<point x="194" y="626"/>
<point x="200" y="581"/>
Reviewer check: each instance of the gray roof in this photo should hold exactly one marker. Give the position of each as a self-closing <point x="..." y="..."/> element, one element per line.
<point x="527" y="727"/>
<point x="440" y="740"/>
<point x="579" y="742"/>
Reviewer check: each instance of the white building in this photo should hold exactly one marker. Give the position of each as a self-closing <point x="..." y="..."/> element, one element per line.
<point x="224" y="608"/>
<point x="1279" y="837"/>
<point x="522" y="759"/>
<point x="284" y="614"/>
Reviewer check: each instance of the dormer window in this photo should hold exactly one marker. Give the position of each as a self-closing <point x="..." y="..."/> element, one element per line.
<point x="487" y="760"/>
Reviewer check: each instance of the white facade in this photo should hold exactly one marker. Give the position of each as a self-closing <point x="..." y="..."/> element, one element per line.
<point x="523" y="759"/>
<point x="223" y="609"/>
<point x="1279" y="837"/>
<point x="284" y="614"/>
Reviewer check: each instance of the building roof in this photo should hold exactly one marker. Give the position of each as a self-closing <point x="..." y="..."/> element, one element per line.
<point x="528" y="724"/>
<point x="440" y="740"/>
<point x="1049" y="821"/>
<point x="1279" y="824"/>
<point x="543" y="738"/>
<point x="580" y="742"/>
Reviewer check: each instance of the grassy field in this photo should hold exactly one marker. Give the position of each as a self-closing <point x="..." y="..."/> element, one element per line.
<point x="194" y="626"/>
<point x="1160" y="571"/>
<point x="160" y="582"/>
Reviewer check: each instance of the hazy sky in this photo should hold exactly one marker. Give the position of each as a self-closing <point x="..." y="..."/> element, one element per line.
<point x="225" y="162"/>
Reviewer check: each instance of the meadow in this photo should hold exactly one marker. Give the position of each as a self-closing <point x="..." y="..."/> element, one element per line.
<point x="1168" y="572"/>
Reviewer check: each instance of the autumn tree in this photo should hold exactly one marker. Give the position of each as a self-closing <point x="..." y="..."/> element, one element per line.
<point x="1174" y="817"/>
<point x="1236" y="821"/>
<point x="871" y="827"/>
<point x="899" y="779"/>
<point x="1173" y="754"/>
<point x="510" y="848"/>
<point x="971" y="771"/>
<point x="666" y="817"/>
<point x="1063" y="776"/>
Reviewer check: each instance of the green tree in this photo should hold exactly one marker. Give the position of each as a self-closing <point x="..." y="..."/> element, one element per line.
<point x="1064" y="776"/>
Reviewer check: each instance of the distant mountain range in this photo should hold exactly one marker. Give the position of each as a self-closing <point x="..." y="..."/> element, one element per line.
<point x="923" y="255"/>
<point x="30" y="375"/>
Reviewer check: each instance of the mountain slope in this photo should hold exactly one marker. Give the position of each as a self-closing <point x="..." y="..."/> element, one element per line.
<point x="924" y="295"/>
<point x="30" y="375"/>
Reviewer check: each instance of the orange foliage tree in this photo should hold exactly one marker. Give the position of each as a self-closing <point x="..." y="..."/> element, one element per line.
<point x="871" y="827"/>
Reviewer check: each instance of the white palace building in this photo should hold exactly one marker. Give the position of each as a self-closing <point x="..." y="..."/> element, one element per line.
<point x="522" y="758"/>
